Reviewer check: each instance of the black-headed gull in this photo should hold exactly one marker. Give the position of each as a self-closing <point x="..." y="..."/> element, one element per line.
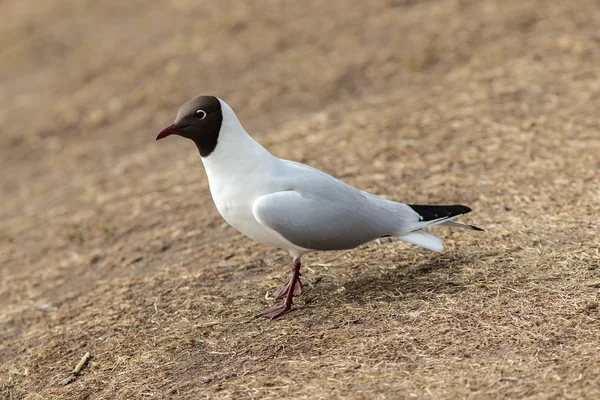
<point x="291" y="205"/>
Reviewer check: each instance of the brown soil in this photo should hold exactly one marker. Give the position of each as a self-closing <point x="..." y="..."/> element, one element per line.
<point x="110" y="242"/>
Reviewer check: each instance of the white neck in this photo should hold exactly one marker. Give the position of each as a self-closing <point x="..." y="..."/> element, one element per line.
<point x="236" y="152"/>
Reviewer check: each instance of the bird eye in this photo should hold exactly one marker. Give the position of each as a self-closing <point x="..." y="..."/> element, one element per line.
<point x="200" y="114"/>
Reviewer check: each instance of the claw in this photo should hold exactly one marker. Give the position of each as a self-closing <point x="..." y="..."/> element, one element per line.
<point x="274" y="312"/>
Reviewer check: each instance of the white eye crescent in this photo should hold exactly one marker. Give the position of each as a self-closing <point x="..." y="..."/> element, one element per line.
<point x="200" y="114"/>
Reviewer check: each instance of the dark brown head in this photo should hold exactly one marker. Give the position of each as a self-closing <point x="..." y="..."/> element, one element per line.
<point x="199" y="120"/>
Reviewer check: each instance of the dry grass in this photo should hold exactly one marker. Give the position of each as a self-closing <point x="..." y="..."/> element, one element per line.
<point x="111" y="245"/>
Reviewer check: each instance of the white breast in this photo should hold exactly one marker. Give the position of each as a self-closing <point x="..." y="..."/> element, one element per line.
<point x="235" y="183"/>
<point x="234" y="203"/>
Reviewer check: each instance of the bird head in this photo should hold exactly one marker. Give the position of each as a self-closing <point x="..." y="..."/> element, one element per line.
<point x="199" y="120"/>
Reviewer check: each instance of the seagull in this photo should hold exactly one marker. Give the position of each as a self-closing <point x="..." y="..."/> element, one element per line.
<point x="290" y="205"/>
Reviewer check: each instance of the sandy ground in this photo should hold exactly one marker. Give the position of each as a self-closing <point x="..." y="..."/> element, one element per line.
<point x="110" y="243"/>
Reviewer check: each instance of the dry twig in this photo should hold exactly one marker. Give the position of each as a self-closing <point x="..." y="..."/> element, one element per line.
<point x="76" y="370"/>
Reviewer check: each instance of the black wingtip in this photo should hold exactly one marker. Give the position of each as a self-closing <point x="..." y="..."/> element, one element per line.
<point x="476" y="228"/>
<point x="430" y="213"/>
<point x="462" y="209"/>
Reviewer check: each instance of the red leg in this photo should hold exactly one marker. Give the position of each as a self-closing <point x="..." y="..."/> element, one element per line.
<point x="278" y="311"/>
<point x="281" y="292"/>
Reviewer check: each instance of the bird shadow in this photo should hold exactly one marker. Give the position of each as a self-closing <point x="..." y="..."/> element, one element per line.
<point x="431" y="276"/>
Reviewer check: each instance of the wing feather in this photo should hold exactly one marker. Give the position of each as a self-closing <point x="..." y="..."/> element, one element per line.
<point x="318" y="224"/>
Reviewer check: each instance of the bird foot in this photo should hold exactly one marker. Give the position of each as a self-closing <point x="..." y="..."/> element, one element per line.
<point x="282" y="291"/>
<point x="274" y="312"/>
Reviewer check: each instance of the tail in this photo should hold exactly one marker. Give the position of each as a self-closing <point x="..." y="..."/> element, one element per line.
<point x="431" y="216"/>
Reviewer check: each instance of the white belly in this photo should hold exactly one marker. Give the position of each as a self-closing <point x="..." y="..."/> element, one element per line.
<point x="235" y="206"/>
<point x="239" y="215"/>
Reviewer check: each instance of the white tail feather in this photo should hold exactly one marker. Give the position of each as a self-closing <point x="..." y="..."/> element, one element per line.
<point x="424" y="239"/>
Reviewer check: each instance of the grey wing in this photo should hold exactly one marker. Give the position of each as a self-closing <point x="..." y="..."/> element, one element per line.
<point x="321" y="222"/>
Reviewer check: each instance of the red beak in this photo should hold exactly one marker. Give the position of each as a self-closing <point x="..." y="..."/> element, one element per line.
<point x="169" y="130"/>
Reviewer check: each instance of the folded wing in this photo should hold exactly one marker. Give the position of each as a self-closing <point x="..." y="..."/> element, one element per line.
<point x="321" y="224"/>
